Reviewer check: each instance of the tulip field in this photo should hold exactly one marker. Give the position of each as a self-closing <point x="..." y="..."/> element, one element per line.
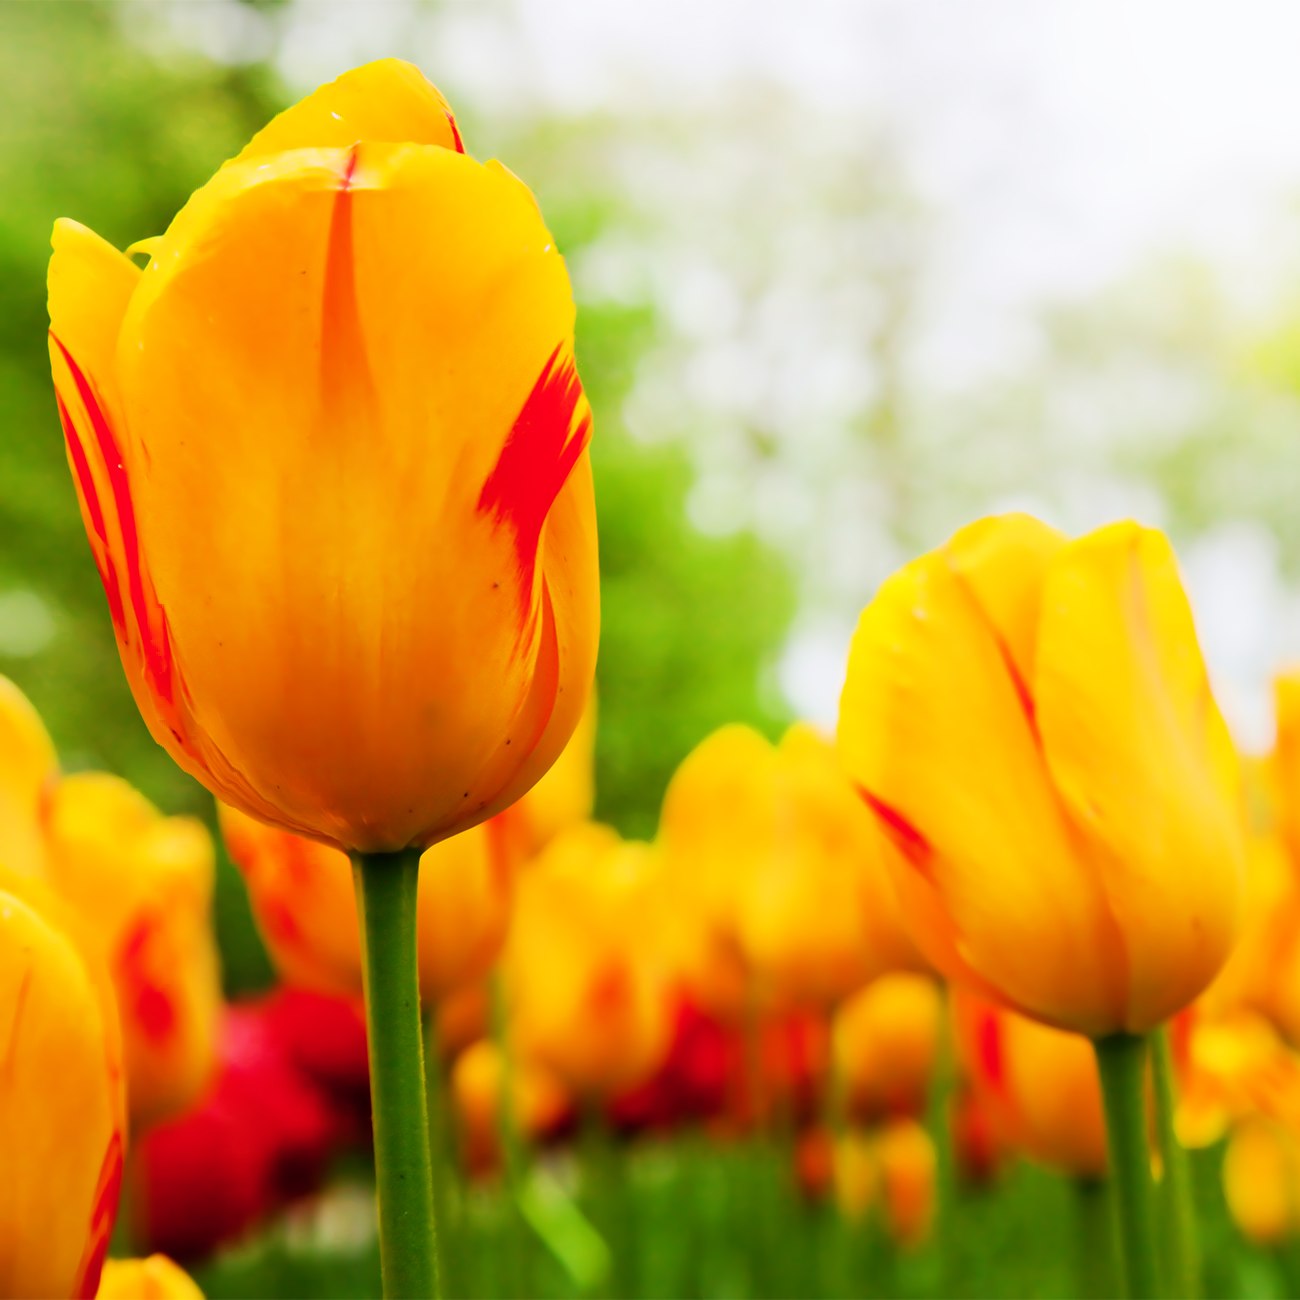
<point x="441" y="900"/>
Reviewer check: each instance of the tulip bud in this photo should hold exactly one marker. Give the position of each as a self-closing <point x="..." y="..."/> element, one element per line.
<point x="62" y="1124"/>
<point x="154" y="1278"/>
<point x="886" y="1043"/>
<point x="331" y="453"/>
<point x="1261" y="1181"/>
<point x="586" y="995"/>
<point x="1030" y="721"/>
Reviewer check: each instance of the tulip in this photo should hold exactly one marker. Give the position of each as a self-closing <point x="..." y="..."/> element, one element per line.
<point x="155" y="1278"/>
<point x="782" y="873"/>
<point x="143" y="883"/>
<point x="586" y="995"/>
<point x="28" y="768"/>
<point x="62" y="1120"/>
<point x="333" y="470"/>
<point x="895" y="1169"/>
<point x="1261" y="1181"/>
<point x="331" y="452"/>
<point x="539" y="1102"/>
<point x="1286" y="759"/>
<point x="1030" y="721"/>
<point x="306" y="909"/>
<point x="1039" y="1086"/>
<point x="885" y="1041"/>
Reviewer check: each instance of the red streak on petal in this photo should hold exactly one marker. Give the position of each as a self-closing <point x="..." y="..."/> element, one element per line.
<point x="155" y="645"/>
<point x="543" y="447"/>
<point x="145" y="1002"/>
<point x="915" y="848"/>
<point x="455" y="133"/>
<point x="102" y="1217"/>
<point x="988" y="1042"/>
<point x="94" y="508"/>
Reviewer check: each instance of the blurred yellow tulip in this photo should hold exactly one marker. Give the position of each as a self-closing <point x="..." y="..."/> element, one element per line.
<point x="539" y="1101"/>
<point x="1286" y="760"/>
<point x="1039" y="1084"/>
<point x="1030" y="720"/>
<point x="154" y="1278"/>
<point x="894" y="1168"/>
<point x="587" y="991"/>
<point x="781" y="872"/>
<point x="305" y="905"/>
<point x="886" y="1042"/>
<point x="143" y="883"/>
<point x="330" y="447"/>
<point x="1261" y="1180"/>
<point x="62" y="1122"/>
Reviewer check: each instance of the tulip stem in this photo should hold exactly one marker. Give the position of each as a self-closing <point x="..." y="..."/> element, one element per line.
<point x="1121" y="1062"/>
<point x="386" y="896"/>
<point x="1177" y="1205"/>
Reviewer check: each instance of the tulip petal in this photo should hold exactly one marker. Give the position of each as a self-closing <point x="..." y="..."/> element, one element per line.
<point x="362" y="333"/>
<point x="933" y="729"/>
<point x="1142" y="758"/>
<point x="28" y="768"/>
<point x="387" y="100"/>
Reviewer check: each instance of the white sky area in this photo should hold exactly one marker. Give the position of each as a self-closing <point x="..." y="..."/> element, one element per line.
<point x="1055" y="143"/>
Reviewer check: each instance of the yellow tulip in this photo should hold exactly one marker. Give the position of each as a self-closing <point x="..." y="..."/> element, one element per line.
<point x="62" y="1124"/>
<point x="586" y="989"/>
<point x="1039" y="1084"/>
<point x="1286" y="759"/>
<point x="28" y="768"/>
<point x="305" y="906"/>
<point x="331" y="453"/>
<point x="140" y="885"/>
<point x="154" y="1278"/>
<point x="781" y="873"/>
<point x="1261" y="1180"/>
<point x="886" y="1043"/>
<point x="143" y="884"/>
<point x="1029" y="719"/>
<point x="538" y="1101"/>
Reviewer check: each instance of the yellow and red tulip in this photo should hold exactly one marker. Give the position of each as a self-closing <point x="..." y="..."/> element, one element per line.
<point x="143" y="884"/>
<point x="1039" y="1085"/>
<point x="588" y="993"/>
<point x="1030" y="720"/>
<point x="331" y="453"/>
<point x="62" y="1120"/>
<point x="886" y="1043"/>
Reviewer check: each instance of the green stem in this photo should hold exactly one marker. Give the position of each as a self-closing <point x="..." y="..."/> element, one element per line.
<point x="1095" y="1233"/>
<point x="1178" y="1205"/>
<point x="1121" y="1062"/>
<point x="386" y="894"/>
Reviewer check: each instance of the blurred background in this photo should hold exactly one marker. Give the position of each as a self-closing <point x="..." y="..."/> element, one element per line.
<point x="849" y="275"/>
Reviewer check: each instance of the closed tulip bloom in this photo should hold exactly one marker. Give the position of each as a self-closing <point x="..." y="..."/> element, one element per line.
<point x="1029" y="719"/>
<point x="1261" y="1181"/>
<point x="1039" y="1084"/>
<point x="62" y="1123"/>
<point x="154" y="1278"/>
<point x="886" y="1043"/>
<point x="587" y="995"/>
<point x="305" y="906"/>
<point x="893" y="1170"/>
<point x="331" y="453"/>
<point x="143" y="884"/>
